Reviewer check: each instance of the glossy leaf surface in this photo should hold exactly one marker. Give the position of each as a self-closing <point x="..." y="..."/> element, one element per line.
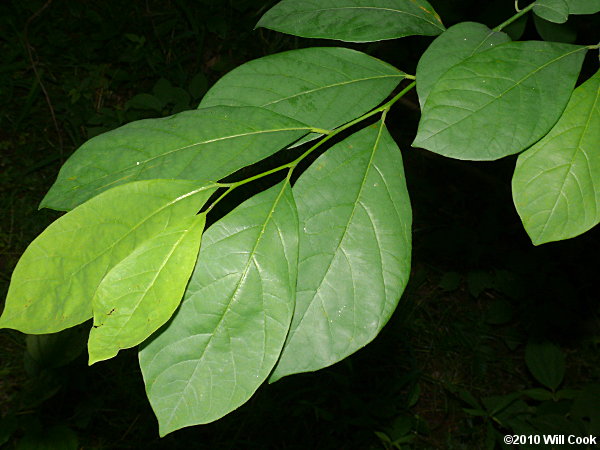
<point x="141" y="292"/>
<point x="500" y="101"/>
<point x="556" y="186"/>
<point x="204" y="145"/>
<point x="355" y="241"/>
<point x="353" y="20"/>
<point x="454" y="45"/>
<point x="326" y="86"/>
<point x="556" y="11"/>
<point x="55" y="280"/>
<point x="229" y="330"/>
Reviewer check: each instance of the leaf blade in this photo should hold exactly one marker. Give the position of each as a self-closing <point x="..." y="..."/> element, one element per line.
<point x="454" y="45"/>
<point x="57" y="294"/>
<point x="556" y="11"/>
<point x="204" y="145"/>
<point x="354" y="250"/>
<point x="134" y="299"/>
<point x="546" y="362"/>
<point x="583" y="6"/>
<point x="510" y="91"/>
<point x="353" y="20"/>
<point x="554" y="184"/>
<point x="327" y="86"/>
<point x="233" y="320"/>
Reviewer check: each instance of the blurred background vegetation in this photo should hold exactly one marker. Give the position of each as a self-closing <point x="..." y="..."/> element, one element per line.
<point x="493" y="336"/>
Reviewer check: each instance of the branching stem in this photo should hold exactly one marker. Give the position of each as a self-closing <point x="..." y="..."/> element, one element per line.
<point x="515" y="17"/>
<point x="329" y="134"/>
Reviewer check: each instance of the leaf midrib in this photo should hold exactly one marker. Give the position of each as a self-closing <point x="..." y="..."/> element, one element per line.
<point x="129" y="232"/>
<point x="174" y="247"/>
<point x="576" y="151"/>
<point x="330" y="86"/>
<point x="292" y="332"/>
<point x="209" y="141"/>
<point x="495" y="98"/>
<point x="397" y="11"/>
<point x="232" y="300"/>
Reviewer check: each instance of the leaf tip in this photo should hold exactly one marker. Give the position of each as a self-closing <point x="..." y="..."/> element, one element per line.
<point x="99" y="354"/>
<point x="274" y="378"/>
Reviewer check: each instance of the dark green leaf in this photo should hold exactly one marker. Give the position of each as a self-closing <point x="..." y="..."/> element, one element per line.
<point x="454" y="45"/>
<point x="204" y="145"/>
<point x="55" y="280"/>
<point x="228" y="333"/>
<point x="539" y="394"/>
<point x="355" y="240"/>
<point x="145" y="101"/>
<point x="546" y="362"/>
<point x="556" y="11"/>
<point x="325" y="86"/>
<point x="353" y="20"/>
<point x="583" y="6"/>
<point x="556" y="182"/>
<point x="500" y="101"/>
<point x="555" y="32"/>
<point x="141" y="292"/>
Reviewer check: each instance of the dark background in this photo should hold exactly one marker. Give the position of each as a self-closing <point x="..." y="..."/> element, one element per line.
<point x="479" y="290"/>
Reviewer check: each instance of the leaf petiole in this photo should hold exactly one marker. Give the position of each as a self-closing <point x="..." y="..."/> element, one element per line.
<point x="328" y="135"/>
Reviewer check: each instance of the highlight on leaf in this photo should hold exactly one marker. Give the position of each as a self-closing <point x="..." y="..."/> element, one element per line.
<point x="141" y="292"/>
<point x="55" y="280"/>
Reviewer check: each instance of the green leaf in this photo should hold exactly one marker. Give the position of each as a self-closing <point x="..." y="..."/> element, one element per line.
<point x="145" y="101"/>
<point x="556" y="182"/>
<point x="55" y="280"/>
<point x="228" y="333"/>
<point x="546" y="362"/>
<point x="454" y="45"/>
<point x="556" y="11"/>
<point x="539" y="394"/>
<point x="555" y="32"/>
<point x="204" y="145"/>
<point x="355" y="242"/>
<point x="500" y="101"/>
<point x="141" y="293"/>
<point x="583" y="6"/>
<point x="327" y="86"/>
<point x="353" y="20"/>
